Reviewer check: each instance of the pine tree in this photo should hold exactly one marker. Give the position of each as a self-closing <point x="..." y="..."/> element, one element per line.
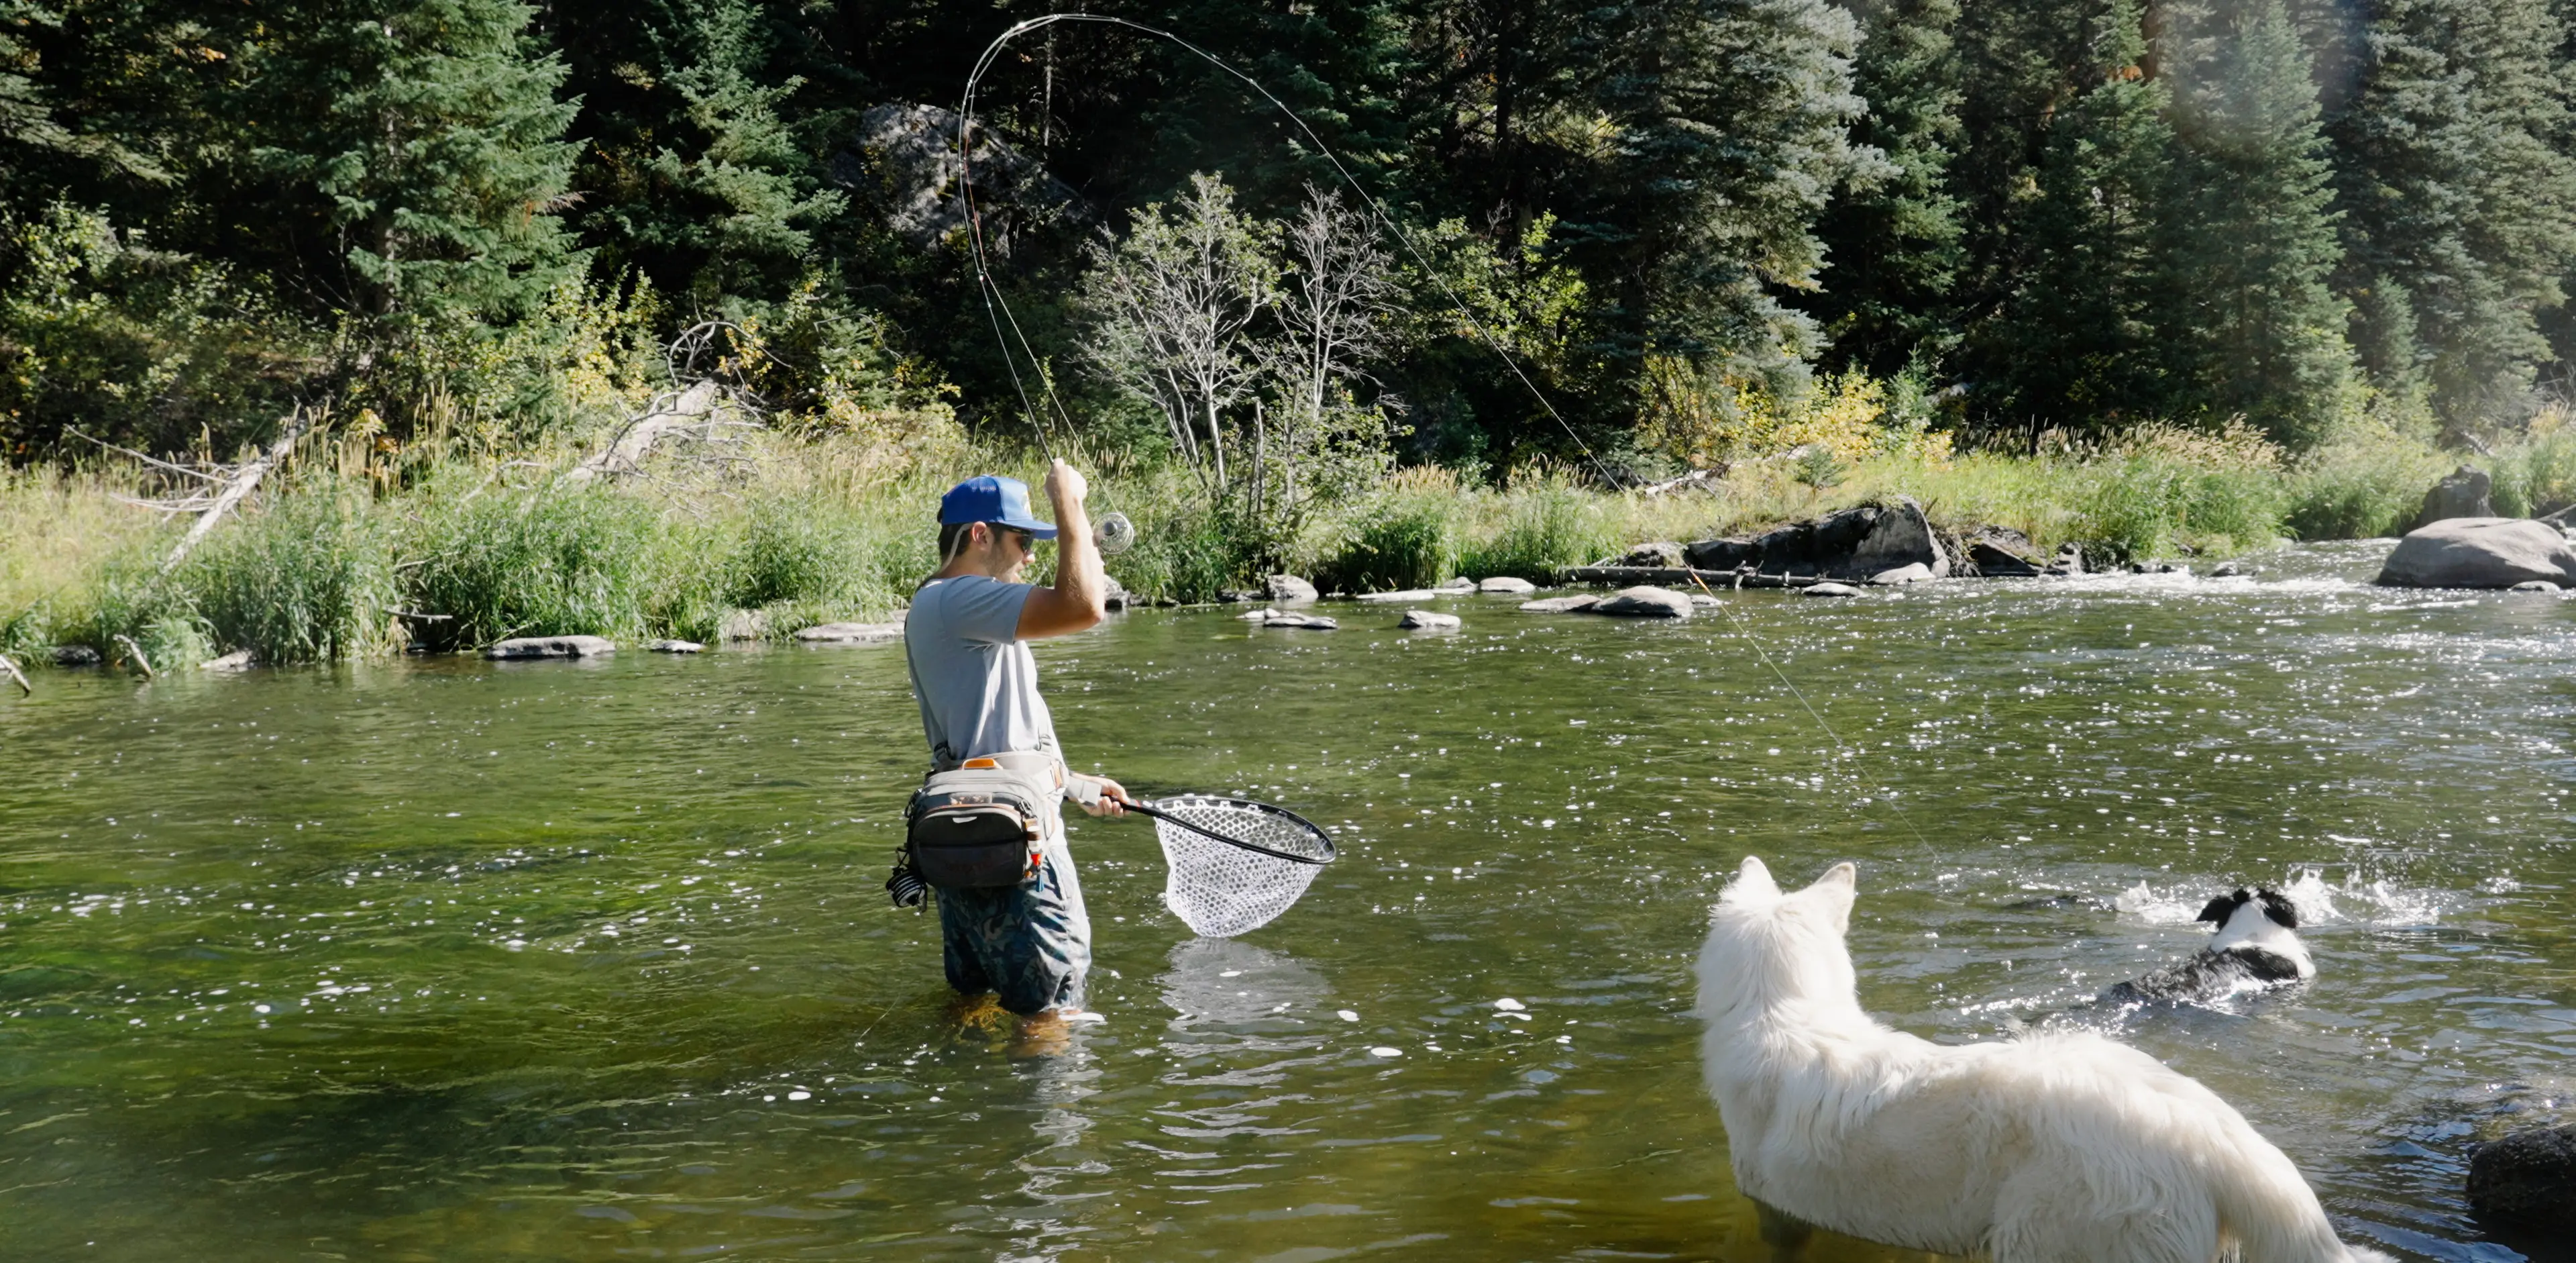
<point x="2249" y="239"/>
<point x="2458" y="195"/>
<point x="1729" y="123"/>
<point x="2075" y="344"/>
<point x="703" y="186"/>
<point x="1893" y="246"/>
<point x="422" y="140"/>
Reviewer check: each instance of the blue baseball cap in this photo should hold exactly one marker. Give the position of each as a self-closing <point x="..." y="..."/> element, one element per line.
<point x="992" y="498"/>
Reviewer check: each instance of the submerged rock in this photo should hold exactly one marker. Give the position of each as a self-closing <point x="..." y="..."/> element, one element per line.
<point x="851" y="633"/>
<point x="2528" y="1177"/>
<point x="1560" y="605"/>
<point x="1255" y="616"/>
<point x="551" y="647"/>
<point x="1507" y="584"/>
<point x="675" y="646"/>
<point x="2480" y="552"/>
<point x="2461" y="493"/>
<point x="1425" y="620"/>
<point x="1409" y="594"/>
<point x="1829" y="589"/>
<point x="237" y="660"/>
<point x="2536" y="585"/>
<point x="1915" y="573"/>
<point x="1288" y="588"/>
<point x="1291" y="622"/>
<point x="2227" y="570"/>
<point x="1643" y="602"/>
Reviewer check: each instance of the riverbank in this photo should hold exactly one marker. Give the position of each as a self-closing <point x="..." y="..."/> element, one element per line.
<point x="351" y="552"/>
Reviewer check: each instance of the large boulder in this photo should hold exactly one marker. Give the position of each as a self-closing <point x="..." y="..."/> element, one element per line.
<point x="1283" y="620"/>
<point x="1645" y="603"/>
<point x="1507" y="584"/>
<point x="2480" y="552"/>
<point x="2000" y="552"/>
<point x="2462" y="494"/>
<point x="1428" y="620"/>
<point x="1851" y="544"/>
<point x="2528" y="1178"/>
<point x="1289" y="589"/>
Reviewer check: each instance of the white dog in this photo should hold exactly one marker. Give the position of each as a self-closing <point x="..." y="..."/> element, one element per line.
<point x="2058" y="1148"/>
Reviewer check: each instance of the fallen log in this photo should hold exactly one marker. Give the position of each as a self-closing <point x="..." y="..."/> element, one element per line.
<point x="135" y="652"/>
<point x="1666" y="576"/>
<point x="237" y="486"/>
<point x="24" y="689"/>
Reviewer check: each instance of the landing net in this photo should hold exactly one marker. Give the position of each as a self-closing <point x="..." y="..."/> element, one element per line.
<point x="1224" y="888"/>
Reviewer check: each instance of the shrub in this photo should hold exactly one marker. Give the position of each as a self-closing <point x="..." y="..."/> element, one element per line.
<point x="1545" y="527"/>
<point x="310" y="578"/>
<point x="543" y="562"/>
<point x="2537" y="476"/>
<point x="1404" y="539"/>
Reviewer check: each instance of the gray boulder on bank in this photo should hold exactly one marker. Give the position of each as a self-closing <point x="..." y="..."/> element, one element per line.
<point x="551" y="647"/>
<point x="2000" y="552"/>
<point x="2528" y="1177"/>
<point x="1426" y="620"/>
<point x="2069" y="561"/>
<point x="1643" y="602"/>
<point x="2480" y="552"/>
<point x="742" y="625"/>
<point x="1664" y="553"/>
<point x="2463" y="493"/>
<point x="1287" y="588"/>
<point x="76" y="656"/>
<point x="1851" y="544"/>
<point x="1458" y="583"/>
<point x="1507" y="584"/>
<point x="1916" y="572"/>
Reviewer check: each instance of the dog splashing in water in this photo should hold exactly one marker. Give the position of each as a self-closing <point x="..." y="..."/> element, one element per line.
<point x="2059" y="1147"/>
<point x="2256" y="946"/>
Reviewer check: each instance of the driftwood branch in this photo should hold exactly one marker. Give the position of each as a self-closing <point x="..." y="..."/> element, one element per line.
<point x="24" y="689"/>
<point x="135" y="652"/>
<point x="1696" y="480"/>
<point x="235" y="488"/>
<point x="154" y="462"/>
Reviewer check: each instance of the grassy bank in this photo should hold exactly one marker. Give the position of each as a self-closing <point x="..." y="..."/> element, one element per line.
<point x="350" y="554"/>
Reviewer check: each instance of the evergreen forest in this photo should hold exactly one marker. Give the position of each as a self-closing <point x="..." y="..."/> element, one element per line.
<point x="2016" y="217"/>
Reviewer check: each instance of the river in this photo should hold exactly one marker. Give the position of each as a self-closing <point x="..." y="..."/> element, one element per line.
<point x="444" y="959"/>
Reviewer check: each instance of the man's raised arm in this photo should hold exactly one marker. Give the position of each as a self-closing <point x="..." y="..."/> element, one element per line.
<point x="1079" y="598"/>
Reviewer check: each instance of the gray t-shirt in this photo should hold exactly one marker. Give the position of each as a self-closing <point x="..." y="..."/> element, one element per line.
<point x="977" y="683"/>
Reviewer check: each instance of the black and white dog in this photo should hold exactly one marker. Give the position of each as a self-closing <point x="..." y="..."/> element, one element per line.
<point x="2256" y="946"/>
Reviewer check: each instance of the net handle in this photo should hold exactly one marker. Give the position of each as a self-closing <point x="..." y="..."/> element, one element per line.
<point x="1205" y="832"/>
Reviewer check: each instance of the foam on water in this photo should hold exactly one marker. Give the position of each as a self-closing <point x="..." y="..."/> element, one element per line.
<point x="2376" y="903"/>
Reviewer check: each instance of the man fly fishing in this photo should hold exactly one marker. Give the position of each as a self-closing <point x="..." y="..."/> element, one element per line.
<point x="987" y="830"/>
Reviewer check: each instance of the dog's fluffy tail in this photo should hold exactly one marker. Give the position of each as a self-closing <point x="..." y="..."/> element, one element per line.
<point x="2267" y="1206"/>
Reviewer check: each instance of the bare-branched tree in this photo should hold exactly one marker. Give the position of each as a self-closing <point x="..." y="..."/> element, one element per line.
<point x="1170" y="307"/>
<point x="1336" y="315"/>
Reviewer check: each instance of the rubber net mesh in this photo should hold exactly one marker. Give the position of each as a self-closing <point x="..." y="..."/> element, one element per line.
<point x="1220" y="891"/>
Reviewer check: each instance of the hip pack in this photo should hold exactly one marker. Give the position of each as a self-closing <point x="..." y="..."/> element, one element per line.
<point x="978" y="825"/>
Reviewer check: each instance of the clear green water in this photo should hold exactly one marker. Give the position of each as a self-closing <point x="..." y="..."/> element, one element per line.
<point x="590" y="961"/>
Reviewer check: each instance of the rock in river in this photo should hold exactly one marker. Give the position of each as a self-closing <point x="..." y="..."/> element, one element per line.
<point x="551" y="647"/>
<point x="1560" y="605"/>
<point x="1288" y="588"/>
<point x="851" y="633"/>
<point x="676" y="646"/>
<point x="2480" y="552"/>
<point x="76" y="656"/>
<point x="1425" y="620"/>
<point x="1458" y="583"/>
<point x="1829" y="589"/>
<point x="1507" y="584"/>
<point x="1663" y="553"/>
<point x="1915" y="573"/>
<point x="2528" y="1177"/>
<point x="2536" y="585"/>
<point x="1644" y="602"/>
<point x="1310" y="622"/>
<point x="1407" y="595"/>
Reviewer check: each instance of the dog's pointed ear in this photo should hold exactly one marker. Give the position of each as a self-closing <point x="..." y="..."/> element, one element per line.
<point x="1835" y="890"/>
<point x="2282" y="912"/>
<point x="2217" y="910"/>
<point x="1751" y="880"/>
